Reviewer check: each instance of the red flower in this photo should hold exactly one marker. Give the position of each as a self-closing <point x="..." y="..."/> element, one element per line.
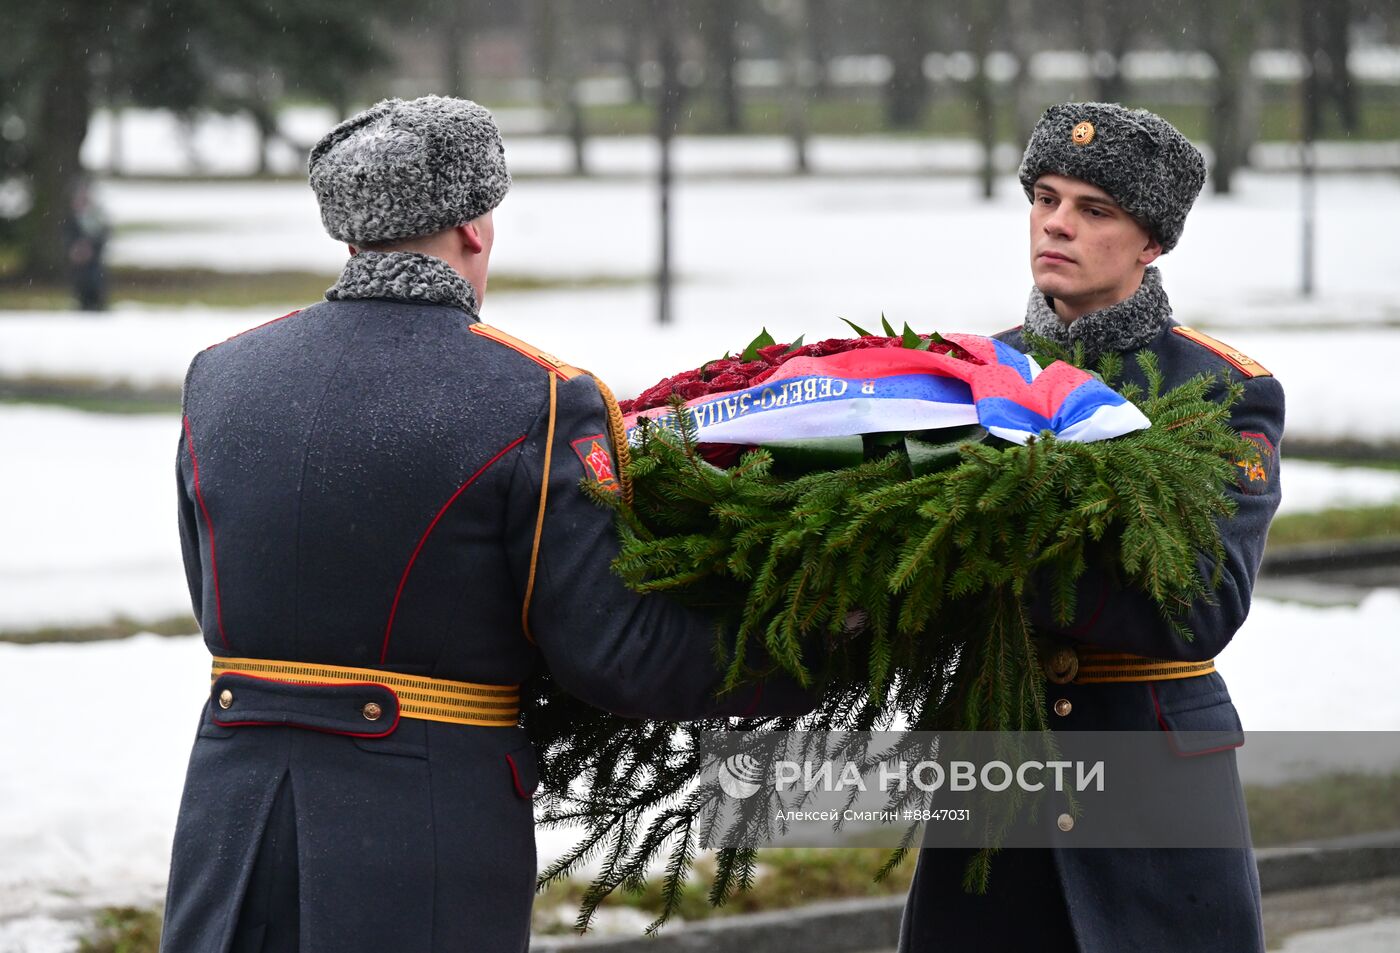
<point x="733" y="373"/>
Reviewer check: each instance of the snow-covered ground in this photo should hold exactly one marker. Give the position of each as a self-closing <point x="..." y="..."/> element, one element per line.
<point x="89" y="819"/>
<point x="87" y="510"/>
<point x="794" y="252"/>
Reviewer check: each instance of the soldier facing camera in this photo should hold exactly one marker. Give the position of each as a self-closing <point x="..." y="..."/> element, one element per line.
<point x="1110" y="189"/>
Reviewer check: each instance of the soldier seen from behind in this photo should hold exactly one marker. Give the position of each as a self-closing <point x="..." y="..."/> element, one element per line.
<point x="385" y="535"/>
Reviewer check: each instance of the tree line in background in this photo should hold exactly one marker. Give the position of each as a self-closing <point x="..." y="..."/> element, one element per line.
<point x="68" y="57"/>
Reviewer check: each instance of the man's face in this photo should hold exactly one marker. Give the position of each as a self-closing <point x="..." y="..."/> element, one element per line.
<point x="1086" y="252"/>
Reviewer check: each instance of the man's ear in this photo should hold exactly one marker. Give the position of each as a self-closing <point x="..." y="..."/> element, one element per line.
<point x="353" y="252"/>
<point x="471" y="238"/>
<point x="1150" y="252"/>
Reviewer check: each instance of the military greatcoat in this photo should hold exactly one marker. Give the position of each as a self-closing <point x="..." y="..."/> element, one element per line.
<point x="1146" y="900"/>
<point x="360" y="484"/>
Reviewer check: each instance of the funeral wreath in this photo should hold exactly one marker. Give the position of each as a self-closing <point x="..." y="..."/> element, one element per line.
<point x="870" y="516"/>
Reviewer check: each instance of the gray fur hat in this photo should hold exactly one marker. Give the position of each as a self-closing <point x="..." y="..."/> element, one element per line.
<point x="403" y="169"/>
<point x="1137" y="157"/>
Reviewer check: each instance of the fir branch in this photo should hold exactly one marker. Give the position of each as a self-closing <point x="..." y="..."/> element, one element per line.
<point x="938" y="565"/>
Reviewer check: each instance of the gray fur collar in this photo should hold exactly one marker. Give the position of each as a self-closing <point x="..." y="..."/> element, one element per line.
<point x="403" y="276"/>
<point x="1125" y="326"/>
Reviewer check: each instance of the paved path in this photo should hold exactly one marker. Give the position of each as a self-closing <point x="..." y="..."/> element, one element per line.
<point x="1346" y="918"/>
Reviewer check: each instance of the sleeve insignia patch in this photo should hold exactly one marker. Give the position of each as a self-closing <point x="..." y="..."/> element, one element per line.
<point x="1258" y="466"/>
<point x="597" y="461"/>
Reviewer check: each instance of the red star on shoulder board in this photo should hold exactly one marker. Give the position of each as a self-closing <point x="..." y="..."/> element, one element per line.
<point x="597" y="460"/>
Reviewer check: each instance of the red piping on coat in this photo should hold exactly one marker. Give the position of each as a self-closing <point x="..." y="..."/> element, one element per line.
<point x="403" y="580"/>
<point x="209" y="525"/>
<point x="750" y="711"/>
<point x="515" y="780"/>
<point x="252" y="329"/>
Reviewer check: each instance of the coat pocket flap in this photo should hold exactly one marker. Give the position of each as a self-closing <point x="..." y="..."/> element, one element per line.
<point x="1202" y="728"/>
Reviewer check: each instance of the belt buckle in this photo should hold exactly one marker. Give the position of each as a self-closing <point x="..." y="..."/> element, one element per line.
<point x="1060" y="663"/>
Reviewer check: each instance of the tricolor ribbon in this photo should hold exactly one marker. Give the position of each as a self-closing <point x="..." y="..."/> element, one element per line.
<point x="878" y="390"/>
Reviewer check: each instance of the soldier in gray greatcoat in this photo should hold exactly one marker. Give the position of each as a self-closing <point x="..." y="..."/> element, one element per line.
<point x="1110" y="189"/>
<point x="384" y="536"/>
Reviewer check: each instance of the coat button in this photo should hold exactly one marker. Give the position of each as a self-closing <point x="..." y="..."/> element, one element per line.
<point x="225" y="698"/>
<point x="1065" y="823"/>
<point x="372" y="711"/>
<point x="1063" y="707"/>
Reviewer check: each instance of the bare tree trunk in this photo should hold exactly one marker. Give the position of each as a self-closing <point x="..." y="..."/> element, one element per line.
<point x="1315" y="69"/>
<point x="569" y="49"/>
<point x="540" y="18"/>
<point x="634" y="52"/>
<point x="455" y="76"/>
<point x="794" y="16"/>
<point x="265" y="125"/>
<point x="985" y="18"/>
<point x="667" y="114"/>
<point x="820" y="29"/>
<point x="61" y="125"/>
<point x="555" y="48"/>
<point x="1228" y="38"/>
<point x="1020" y="23"/>
<point x="719" y="22"/>
<point x="1336" y="44"/>
<point x="905" y="32"/>
<point x="1110" y="30"/>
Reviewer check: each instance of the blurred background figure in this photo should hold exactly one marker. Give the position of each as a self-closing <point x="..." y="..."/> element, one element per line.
<point x="85" y="234"/>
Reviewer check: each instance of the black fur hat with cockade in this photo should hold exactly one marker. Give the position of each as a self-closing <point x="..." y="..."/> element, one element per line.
<point x="1143" y="161"/>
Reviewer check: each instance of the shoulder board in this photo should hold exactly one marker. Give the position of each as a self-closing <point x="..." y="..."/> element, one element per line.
<point x="543" y="358"/>
<point x="1246" y="365"/>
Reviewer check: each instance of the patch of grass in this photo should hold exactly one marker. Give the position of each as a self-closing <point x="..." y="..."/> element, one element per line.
<point x="178" y="286"/>
<point x="95" y="404"/>
<point x="119" y="628"/>
<point x="787" y="877"/>
<point x="90" y="394"/>
<point x="162" y="226"/>
<point x="123" y="930"/>
<point x="1337" y="525"/>
<point x="1334" y="806"/>
<point x="1376" y="463"/>
<point x="170" y="287"/>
